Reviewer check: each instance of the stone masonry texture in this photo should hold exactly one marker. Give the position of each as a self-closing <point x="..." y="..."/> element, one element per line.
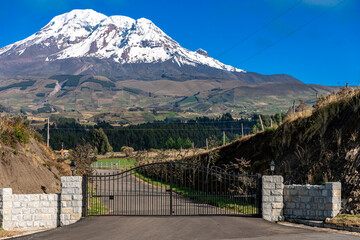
<point x="71" y="200"/>
<point x="37" y="211"/>
<point x="272" y="198"/>
<point x="315" y="202"/>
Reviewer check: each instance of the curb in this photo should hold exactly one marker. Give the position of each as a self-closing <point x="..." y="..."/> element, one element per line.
<point x="321" y="224"/>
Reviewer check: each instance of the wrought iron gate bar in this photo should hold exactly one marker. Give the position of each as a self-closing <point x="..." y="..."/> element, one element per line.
<point x="171" y="188"/>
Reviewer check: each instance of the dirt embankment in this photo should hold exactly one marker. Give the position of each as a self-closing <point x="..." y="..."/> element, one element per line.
<point x="319" y="146"/>
<point x="27" y="165"/>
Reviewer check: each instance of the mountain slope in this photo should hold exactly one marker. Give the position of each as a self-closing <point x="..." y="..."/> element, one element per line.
<point x="87" y="42"/>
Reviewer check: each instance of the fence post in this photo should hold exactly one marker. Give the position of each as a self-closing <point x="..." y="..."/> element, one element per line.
<point x="85" y="195"/>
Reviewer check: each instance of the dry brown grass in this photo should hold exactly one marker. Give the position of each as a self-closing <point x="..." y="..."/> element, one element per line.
<point x="344" y="95"/>
<point x="298" y="115"/>
<point x="6" y="234"/>
<point x="346" y="220"/>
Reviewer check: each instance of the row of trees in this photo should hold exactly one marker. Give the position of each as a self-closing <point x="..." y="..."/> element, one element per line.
<point x="160" y="134"/>
<point x="179" y="143"/>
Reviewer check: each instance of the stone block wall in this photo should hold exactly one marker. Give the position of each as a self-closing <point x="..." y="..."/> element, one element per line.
<point x="316" y="202"/>
<point x="32" y="211"/>
<point x="71" y="200"/>
<point x="36" y="211"/>
<point x="272" y="198"/>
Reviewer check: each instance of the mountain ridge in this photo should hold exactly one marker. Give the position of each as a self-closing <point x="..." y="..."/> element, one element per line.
<point x="88" y="42"/>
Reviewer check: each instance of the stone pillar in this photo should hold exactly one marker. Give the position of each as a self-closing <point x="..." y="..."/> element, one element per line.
<point x="272" y="198"/>
<point x="333" y="200"/>
<point x="6" y="208"/>
<point x="71" y="200"/>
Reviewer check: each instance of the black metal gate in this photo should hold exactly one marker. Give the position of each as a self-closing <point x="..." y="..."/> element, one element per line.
<point x="171" y="188"/>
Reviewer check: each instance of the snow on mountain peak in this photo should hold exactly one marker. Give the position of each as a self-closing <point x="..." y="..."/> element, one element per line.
<point x="87" y="33"/>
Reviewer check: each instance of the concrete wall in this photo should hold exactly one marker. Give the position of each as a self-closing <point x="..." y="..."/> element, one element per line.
<point x="315" y="202"/>
<point x="36" y="211"/>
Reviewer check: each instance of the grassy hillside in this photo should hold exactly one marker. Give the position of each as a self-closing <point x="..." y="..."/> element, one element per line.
<point x="26" y="164"/>
<point x="86" y="97"/>
<point x="317" y="145"/>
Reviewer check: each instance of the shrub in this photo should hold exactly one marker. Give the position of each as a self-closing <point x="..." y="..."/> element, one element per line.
<point x="127" y="150"/>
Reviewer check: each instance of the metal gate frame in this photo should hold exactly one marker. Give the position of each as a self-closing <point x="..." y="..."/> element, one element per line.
<point x="167" y="186"/>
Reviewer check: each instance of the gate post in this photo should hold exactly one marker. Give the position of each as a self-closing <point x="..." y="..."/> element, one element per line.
<point x="171" y="183"/>
<point x="272" y="198"/>
<point x="71" y="200"/>
<point x="85" y="195"/>
<point x="259" y="194"/>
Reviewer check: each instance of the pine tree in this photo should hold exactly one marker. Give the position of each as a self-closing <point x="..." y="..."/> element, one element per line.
<point x="170" y="143"/>
<point x="187" y="144"/>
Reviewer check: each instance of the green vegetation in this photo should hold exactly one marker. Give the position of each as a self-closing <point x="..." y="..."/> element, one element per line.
<point x="22" y="85"/>
<point x="132" y="90"/>
<point x="100" y="142"/>
<point x="105" y="84"/>
<point x="153" y="135"/>
<point x="71" y="80"/>
<point x="129" y="163"/>
<point x="50" y="85"/>
<point x="45" y="109"/>
<point x="15" y="130"/>
<point x="95" y="206"/>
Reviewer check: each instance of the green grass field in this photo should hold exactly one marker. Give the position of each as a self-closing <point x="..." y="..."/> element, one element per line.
<point x="122" y="162"/>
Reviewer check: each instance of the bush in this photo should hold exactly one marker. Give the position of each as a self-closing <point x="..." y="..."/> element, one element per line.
<point x="127" y="150"/>
<point x="15" y="130"/>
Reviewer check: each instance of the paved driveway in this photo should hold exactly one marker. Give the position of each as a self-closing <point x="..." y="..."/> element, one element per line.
<point x="159" y="228"/>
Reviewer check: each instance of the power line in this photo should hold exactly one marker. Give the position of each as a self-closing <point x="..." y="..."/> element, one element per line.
<point x="151" y="129"/>
<point x="258" y="30"/>
<point x="289" y="34"/>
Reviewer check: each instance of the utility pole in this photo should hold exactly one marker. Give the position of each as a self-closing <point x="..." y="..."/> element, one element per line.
<point x="242" y="130"/>
<point x="48" y="132"/>
<point x="294" y="107"/>
<point x="223" y="137"/>
<point x="271" y="123"/>
<point x="261" y="122"/>
<point x="207" y="144"/>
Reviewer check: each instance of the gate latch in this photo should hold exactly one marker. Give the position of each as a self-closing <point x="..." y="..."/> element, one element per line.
<point x="111" y="197"/>
<point x="168" y="190"/>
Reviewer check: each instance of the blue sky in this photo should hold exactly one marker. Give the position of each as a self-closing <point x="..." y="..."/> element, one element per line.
<point x="326" y="51"/>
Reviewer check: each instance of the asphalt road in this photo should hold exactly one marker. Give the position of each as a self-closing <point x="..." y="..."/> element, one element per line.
<point x="174" y="228"/>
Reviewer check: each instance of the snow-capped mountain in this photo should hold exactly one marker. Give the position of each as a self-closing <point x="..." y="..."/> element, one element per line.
<point x="86" y="33"/>
<point x="88" y="42"/>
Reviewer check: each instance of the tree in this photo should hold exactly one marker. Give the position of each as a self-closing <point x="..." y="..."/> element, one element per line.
<point x="178" y="144"/>
<point x="170" y="143"/>
<point x="187" y="144"/>
<point x="83" y="156"/>
<point x="101" y="141"/>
